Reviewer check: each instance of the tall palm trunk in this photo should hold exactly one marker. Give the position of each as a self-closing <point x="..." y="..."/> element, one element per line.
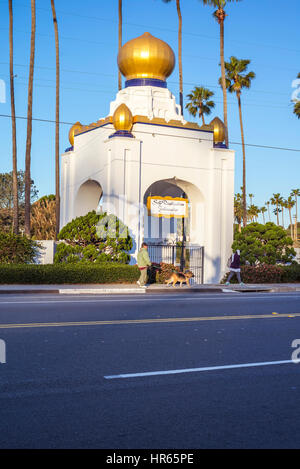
<point x="180" y="54"/>
<point x="29" y="121"/>
<point x="221" y="18"/>
<point x="120" y="40"/>
<point x="13" y="121"/>
<point x="277" y="213"/>
<point x="57" y="187"/>
<point x="291" y="223"/>
<point x="244" y="161"/>
<point x="201" y="113"/>
<point x="296" y="220"/>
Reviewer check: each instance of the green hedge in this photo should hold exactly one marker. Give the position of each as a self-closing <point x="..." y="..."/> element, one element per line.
<point x="68" y="273"/>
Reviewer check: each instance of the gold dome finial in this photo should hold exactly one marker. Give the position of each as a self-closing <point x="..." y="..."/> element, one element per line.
<point x="122" y="118"/>
<point x="123" y="121"/>
<point x="75" y="127"/>
<point x="146" y="57"/>
<point x="219" y="130"/>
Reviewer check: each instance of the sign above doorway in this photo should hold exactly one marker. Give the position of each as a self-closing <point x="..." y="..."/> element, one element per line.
<point x="167" y="207"/>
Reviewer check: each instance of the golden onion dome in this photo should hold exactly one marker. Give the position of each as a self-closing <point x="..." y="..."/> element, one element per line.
<point x="75" y="127"/>
<point x="146" y="57"/>
<point x="122" y="118"/>
<point x="219" y="130"/>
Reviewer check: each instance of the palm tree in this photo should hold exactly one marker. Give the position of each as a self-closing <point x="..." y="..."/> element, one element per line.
<point x="268" y="208"/>
<point x="236" y="80"/>
<point x="297" y="104"/>
<point x="283" y="206"/>
<point x="57" y="188"/>
<point x="263" y="211"/>
<point x="238" y="210"/>
<point x="13" y="121"/>
<point x="296" y="194"/>
<point x="251" y="197"/>
<point x="220" y="16"/>
<point x="253" y="211"/>
<point x="179" y="51"/>
<point x="276" y="200"/>
<point x="29" y="121"/>
<point x="290" y="203"/>
<point x="200" y="102"/>
<point x="297" y="109"/>
<point x="120" y="41"/>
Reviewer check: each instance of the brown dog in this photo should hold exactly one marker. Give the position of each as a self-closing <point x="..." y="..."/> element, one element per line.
<point x="181" y="277"/>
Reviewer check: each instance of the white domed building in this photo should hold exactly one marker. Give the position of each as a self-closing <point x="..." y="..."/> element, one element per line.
<point x="167" y="179"/>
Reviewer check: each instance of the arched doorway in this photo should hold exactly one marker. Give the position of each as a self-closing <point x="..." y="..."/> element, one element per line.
<point x="172" y="229"/>
<point x="178" y="241"/>
<point x="88" y="197"/>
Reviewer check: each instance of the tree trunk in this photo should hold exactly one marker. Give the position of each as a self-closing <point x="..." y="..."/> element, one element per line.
<point x="120" y="40"/>
<point x="201" y="113"/>
<point x="221" y="22"/>
<point x="244" y="161"/>
<point x="291" y="222"/>
<point x="57" y="185"/>
<point x="296" y="221"/>
<point x="29" y="122"/>
<point x="180" y="54"/>
<point x="13" y="121"/>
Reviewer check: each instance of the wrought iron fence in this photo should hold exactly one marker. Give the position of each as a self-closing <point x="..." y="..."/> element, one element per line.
<point x="184" y="256"/>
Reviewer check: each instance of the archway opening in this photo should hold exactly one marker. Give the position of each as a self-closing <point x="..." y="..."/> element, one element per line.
<point x="171" y="230"/>
<point x="88" y="198"/>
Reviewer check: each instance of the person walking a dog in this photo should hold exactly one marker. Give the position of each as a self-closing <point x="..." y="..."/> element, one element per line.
<point x="143" y="261"/>
<point x="235" y="267"/>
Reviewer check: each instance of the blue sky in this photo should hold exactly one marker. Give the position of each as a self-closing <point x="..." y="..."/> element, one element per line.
<point x="266" y="32"/>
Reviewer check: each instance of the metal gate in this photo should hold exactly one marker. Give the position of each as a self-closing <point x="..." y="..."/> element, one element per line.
<point x="184" y="256"/>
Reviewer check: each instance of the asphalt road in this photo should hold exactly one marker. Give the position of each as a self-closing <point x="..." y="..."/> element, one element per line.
<point x="185" y="371"/>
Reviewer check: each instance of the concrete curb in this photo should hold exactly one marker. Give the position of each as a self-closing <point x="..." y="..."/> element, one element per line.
<point x="133" y="289"/>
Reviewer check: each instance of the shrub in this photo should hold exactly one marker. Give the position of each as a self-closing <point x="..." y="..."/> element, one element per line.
<point x="291" y="273"/>
<point x="265" y="273"/>
<point x="266" y="244"/>
<point x="94" y="239"/>
<point x="68" y="273"/>
<point x="165" y="272"/>
<point x="43" y="218"/>
<point x="16" y="249"/>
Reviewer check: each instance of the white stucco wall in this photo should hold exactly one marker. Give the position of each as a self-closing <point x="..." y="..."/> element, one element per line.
<point x="126" y="167"/>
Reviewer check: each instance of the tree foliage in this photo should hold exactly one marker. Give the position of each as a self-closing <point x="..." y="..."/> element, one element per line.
<point x="16" y="249"/>
<point x="6" y="190"/>
<point x="43" y="218"/>
<point x="94" y="238"/>
<point x="265" y="244"/>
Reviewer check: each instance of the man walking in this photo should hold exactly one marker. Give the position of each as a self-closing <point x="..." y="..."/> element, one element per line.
<point x="235" y="268"/>
<point x="143" y="261"/>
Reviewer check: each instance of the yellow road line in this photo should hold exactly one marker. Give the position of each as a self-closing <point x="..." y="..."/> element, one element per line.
<point x="147" y="321"/>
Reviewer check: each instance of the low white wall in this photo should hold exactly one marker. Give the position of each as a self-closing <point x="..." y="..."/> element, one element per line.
<point x="46" y="253"/>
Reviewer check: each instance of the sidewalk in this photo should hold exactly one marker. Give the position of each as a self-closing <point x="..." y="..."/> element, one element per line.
<point x="112" y="289"/>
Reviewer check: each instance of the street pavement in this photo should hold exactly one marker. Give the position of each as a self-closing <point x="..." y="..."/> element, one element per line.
<point x="191" y="370"/>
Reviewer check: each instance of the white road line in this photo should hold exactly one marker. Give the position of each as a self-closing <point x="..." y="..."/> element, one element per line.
<point x="196" y="370"/>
